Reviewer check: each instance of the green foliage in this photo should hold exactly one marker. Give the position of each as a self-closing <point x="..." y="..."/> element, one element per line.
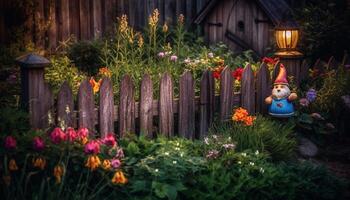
<point x="61" y="70"/>
<point x="13" y="121"/>
<point x="86" y="56"/>
<point x="264" y="135"/>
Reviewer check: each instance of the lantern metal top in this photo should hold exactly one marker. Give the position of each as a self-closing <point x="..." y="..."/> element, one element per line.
<point x="32" y="60"/>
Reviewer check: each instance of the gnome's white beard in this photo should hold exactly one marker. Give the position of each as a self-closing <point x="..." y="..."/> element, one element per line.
<point x="283" y="93"/>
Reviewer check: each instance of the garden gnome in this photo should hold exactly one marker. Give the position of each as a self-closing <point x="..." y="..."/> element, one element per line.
<point x="280" y="102"/>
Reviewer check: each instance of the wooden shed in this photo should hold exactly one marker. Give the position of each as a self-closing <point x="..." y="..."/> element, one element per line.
<point x="244" y="24"/>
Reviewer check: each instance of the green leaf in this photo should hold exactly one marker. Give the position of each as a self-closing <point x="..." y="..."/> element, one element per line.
<point x="138" y="186"/>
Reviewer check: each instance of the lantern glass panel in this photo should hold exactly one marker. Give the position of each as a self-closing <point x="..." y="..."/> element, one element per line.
<point x="287" y="38"/>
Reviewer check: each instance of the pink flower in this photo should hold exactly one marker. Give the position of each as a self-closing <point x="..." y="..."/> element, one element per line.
<point x="82" y="133"/>
<point x="10" y="143"/>
<point x="92" y="147"/>
<point x="116" y="163"/>
<point x="173" y="58"/>
<point x="57" y="136"/>
<point x="120" y="153"/>
<point x="304" y="102"/>
<point x="109" y="140"/>
<point x="161" y="54"/>
<point x="71" y="134"/>
<point x="38" y="143"/>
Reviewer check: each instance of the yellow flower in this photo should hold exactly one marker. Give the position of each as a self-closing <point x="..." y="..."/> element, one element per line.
<point x="140" y="40"/>
<point x="104" y="71"/>
<point x="123" y="24"/>
<point x="93" y="162"/>
<point x="154" y="18"/>
<point x="119" y="178"/>
<point x="165" y="27"/>
<point x="95" y="85"/>
<point x="13" y="165"/>
<point x="58" y="172"/>
<point x="39" y="163"/>
<point x="106" y="164"/>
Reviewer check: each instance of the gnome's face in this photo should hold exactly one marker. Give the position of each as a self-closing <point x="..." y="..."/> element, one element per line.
<point x="280" y="91"/>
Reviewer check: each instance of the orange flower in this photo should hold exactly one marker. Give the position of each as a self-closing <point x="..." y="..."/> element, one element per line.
<point x="58" y="172"/>
<point x="93" y="162"/>
<point x="39" y="163"/>
<point x="106" y="165"/>
<point x="104" y="71"/>
<point x="84" y="140"/>
<point x="13" y="165"/>
<point x="95" y="85"/>
<point x="249" y="120"/>
<point x="119" y="178"/>
<point x="240" y="114"/>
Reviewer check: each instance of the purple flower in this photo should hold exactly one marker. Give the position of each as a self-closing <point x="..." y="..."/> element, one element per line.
<point x="229" y="146"/>
<point x="116" y="163"/>
<point x="311" y="95"/>
<point x="38" y="143"/>
<point x="120" y="153"/>
<point x="161" y="54"/>
<point x="210" y="55"/>
<point x="304" y="102"/>
<point x="10" y="143"/>
<point x="173" y="58"/>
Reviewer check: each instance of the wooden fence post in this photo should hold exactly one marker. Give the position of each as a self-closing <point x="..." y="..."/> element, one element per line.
<point x="86" y="106"/>
<point x="207" y="104"/>
<point x="226" y="94"/>
<point x="166" y="106"/>
<point x="146" y="106"/>
<point x="33" y="87"/>
<point x="126" y="107"/>
<point x="263" y="88"/>
<point x="65" y="106"/>
<point x="248" y="89"/>
<point x="187" y="106"/>
<point x="106" y="108"/>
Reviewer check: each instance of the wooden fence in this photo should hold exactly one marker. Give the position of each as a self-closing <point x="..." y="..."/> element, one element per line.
<point x="51" y="21"/>
<point x="190" y="116"/>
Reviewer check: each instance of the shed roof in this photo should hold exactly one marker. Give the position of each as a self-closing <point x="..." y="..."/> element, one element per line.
<point x="278" y="11"/>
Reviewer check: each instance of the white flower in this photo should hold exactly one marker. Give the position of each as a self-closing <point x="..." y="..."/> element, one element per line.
<point x="182" y="154"/>
<point x="174" y="162"/>
<point x="251" y="163"/>
<point x="215" y="137"/>
<point x="156" y="170"/>
<point x="166" y="153"/>
<point x="177" y="144"/>
<point x="229" y="146"/>
<point x="261" y="170"/>
<point x="187" y="60"/>
<point x="210" y="55"/>
<point x="239" y="162"/>
<point x="177" y="148"/>
<point x="206" y="141"/>
<point x="244" y="154"/>
<point x="257" y="152"/>
<point x="229" y="138"/>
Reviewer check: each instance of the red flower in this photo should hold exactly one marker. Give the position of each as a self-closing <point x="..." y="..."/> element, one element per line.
<point x="38" y="143"/>
<point x="10" y="143"/>
<point x="93" y="147"/>
<point x="57" y="136"/>
<point x="237" y="74"/>
<point x="71" y="134"/>
<point x="269" y="60"/>
<point x="82" y="133"/>
<point x="109" y="140"/>
<point x="217" y="72"/>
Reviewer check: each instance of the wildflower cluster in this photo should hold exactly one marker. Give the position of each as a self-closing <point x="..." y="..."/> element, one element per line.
<point x="241" y="115"/>
<point x="217" y="146"/>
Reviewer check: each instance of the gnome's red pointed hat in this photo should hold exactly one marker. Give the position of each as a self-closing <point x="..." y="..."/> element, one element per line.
<point x="282" y="76"/>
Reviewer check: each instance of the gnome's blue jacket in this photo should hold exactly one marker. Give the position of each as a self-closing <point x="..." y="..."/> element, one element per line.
<point x="281" y="108"/>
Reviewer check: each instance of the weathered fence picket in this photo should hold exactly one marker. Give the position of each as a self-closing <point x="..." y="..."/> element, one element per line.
<point x="248" y="89"/>
<point x="65" y="106"/>
<point x="126" y="106"/>
<point x="263" y="85"/>
<point x="186" y="106"/>
<point x="166" y="106"/>
<point x="106" y="107"/>
<point x="146" y="106"/>
<point x="206" y="103"/>
<point x="226" y="93"/>
<point x="86" y="106"/>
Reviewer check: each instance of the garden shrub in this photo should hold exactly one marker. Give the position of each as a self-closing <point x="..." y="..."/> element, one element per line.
<point x="264" y="135"/>
<point x="13" y="121"/>
<point x="86" y="56"/>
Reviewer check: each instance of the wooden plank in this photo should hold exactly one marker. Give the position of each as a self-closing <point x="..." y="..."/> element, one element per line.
<point x="86" y="106"/>
<point x="110" y="15"/>
<point x="52" y="32"/>
<point x="166" y="111"/>
<point x="248" y="89"/>
<point x="263" y="88"/>
<point x="186" y="106"/>
<point x="146" y="104"/>
<point x="97" y="18"/>
<point x="126" y="107"/>
<point x="64" y="20"/>
<point x="275" y="71"/>
<point x="226" y="92"/>
<point x="46" y="103"/>
<point x="319" y="66"/>
<point x="304" y="70"/>
<point x="106" y="113"/>
<point x="39" y="21"/>
<point x="74" y="18"/>
<point x="206" y="104"/>
<point x="84" y="19"/>
<point x="65" y="106"/>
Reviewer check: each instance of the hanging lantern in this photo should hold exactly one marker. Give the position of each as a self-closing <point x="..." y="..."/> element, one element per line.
<point x="287" y="40"/>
